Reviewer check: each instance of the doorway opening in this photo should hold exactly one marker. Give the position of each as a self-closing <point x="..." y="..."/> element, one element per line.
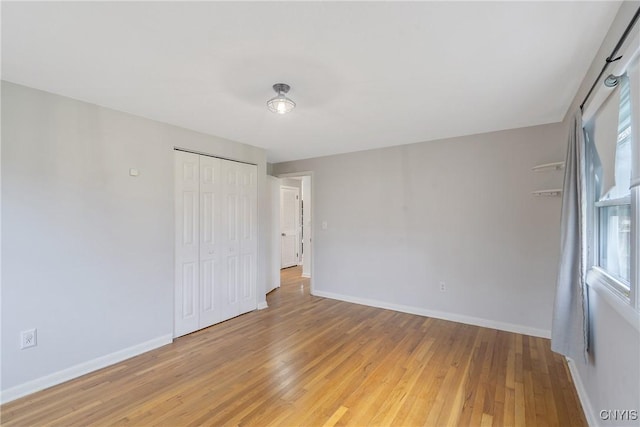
<point x="296" y="223"/>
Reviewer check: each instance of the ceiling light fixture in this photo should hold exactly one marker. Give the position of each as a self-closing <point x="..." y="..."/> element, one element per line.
<point x="281" y="104"/>
<point x="611" y="80"/>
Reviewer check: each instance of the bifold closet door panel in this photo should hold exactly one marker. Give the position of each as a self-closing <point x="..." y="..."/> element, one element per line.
<point x="187" y="242"/>
<point x="240" y="225"/>
<point x="248" y="224"/>
<point x="230" y="260"/>
<point x="210" y="242"/>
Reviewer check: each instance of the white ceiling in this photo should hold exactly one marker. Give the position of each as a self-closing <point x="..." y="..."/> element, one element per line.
<point x="364" y="74"/>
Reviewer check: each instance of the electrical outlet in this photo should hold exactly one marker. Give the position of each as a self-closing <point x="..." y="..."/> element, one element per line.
<point x="28" y="338"/>
<point x="443" y="287"/>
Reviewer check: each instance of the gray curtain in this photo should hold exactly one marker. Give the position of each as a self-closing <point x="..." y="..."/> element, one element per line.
<point x="569" y="331"/>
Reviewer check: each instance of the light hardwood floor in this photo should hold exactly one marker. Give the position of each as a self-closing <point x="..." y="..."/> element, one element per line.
<point x="317" y="362"/>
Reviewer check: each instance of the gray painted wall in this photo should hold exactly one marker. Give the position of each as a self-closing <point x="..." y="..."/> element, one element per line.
<point x="402" y="219"/>
<point x="87" y="250"/>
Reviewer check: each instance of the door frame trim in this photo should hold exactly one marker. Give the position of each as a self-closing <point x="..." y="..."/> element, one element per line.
<point x="201" y="153"/>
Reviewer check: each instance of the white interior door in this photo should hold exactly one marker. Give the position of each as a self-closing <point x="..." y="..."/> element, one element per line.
<point x="306" y="239"/>
<point x="230" y="195"/>
<point x="275" y="259"/>
<point x="216" y="240"/>
<point x="289" y="220"/>
<point x="248" y="224"/>
<point x="239" y="216"/>
<point x="187" y="242"/>
<point x="210" y="242"/>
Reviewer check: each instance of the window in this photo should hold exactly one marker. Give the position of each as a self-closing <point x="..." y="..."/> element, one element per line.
<point x="614" y="241"/>
<point x="614" y="209"/>
<point x="613" y="215"/>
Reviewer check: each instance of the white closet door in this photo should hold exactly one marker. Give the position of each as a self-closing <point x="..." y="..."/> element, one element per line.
<point x="248" y="225"/>
<point x="230" y="306"/>
<point x="187" y="200"/>
<point x="210" y="242"/>
<point x="216" y="240"/>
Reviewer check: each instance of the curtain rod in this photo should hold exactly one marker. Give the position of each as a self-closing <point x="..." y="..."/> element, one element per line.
<point x="611" y="58"/>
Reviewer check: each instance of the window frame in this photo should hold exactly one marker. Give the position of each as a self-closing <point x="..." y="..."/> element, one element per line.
<point x="634" y="294"/>
<point x="619" y="285"/>
<point x="621" y="295"/>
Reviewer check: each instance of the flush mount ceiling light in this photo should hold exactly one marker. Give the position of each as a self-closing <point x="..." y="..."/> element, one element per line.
<point x="281" y="104"/>
<point x="611" y="80"/>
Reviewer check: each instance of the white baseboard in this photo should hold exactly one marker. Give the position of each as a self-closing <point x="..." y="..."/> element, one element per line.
<point x="587" y="408"/>
<point x="262" y="305"/>
<point x="306" y="276"/>
<point x="469" y="320"/>
<point x="273" y="288"/>
<point x="82" y="369"/>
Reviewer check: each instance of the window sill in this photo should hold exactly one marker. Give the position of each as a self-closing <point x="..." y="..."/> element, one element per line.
<point x="604" y="285"/>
